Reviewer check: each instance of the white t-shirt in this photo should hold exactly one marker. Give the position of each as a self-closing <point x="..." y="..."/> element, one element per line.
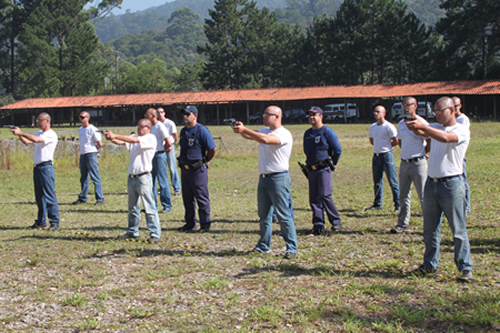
<point x="88" y="138"/>
<point x="464" y="120"/>
<point x="161" y="132"/>
<point x="44" y="151"/>
<point x="447" y="158"/>
<point x="172" y="128"/>
<point x="381" y="135"/>
<point x="412" y="145"/>
<point x="274" y="158"/>
<point x="141" y="154"/>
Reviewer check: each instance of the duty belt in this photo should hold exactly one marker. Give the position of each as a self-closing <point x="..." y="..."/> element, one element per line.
<point x="415" y="159"/>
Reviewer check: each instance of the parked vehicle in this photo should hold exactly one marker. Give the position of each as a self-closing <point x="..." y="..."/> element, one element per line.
<point x="424" y="110"/>
<point x="335" y="112"/>
<point x="255" y="118"/>
<point x="295" y="116"/>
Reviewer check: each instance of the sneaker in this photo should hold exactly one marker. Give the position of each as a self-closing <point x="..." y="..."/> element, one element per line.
<point x="54" y="227"/>
<point x="98" y="203"/>
<point x="424" y="272"/>
<point x="185" y="228"/>
<point x="290" y="255"/>
<point x="77" y="202"/>
<point x="166" y="211"/>
<point x="38" y="226"/>
<point x="396" y="209"/>
<point x="337" y="227"/>
<point x="203" y="230"/>
<point x="153" y="239"/>
<point x="127" y="236"/>
<point x="316" y="231"/>
<point x="466" y="276"/>
<point x="398" y="229"/>
<point x="373" y="207"/>
<point x="256" y="250"/>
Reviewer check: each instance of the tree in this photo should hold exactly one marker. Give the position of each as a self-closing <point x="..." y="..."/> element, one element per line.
<point x="471" y="33"/>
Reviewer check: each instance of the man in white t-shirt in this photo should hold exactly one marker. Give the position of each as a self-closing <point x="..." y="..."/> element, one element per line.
<point x="159" y="173"/>
<point x="275" y="147"/>
<point x="142" y="149"/>
<point x="464" y="120"/>
<point x="413" y="167"/>
<point x="45" y="142"/>
<point x="445" y="189"/>
<point x="90" y="143"/>
<point x="383" y="136"/>
<point x="171" y="158"/>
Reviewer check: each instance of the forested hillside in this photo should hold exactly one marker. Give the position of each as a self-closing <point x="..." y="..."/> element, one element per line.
<point x="299" y="12"/>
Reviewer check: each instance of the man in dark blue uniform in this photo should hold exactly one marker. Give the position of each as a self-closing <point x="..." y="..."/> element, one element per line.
<point x="197" y="149"/>
<point x="322" y="149"/>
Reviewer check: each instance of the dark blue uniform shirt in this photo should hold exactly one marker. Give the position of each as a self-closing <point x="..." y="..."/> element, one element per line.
<point x="194" y="143"/>
<point x="320" y="144"/>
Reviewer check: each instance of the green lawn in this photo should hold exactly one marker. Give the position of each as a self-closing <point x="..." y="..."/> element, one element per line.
<point x="81" y="278"/>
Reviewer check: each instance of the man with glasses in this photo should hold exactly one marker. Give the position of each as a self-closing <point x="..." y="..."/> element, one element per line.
<point x="275" y="147"/>
<point x="383" y="136"/>
<point x="159" y="173"/>
<point x="413" y="167"/>
<point x="444" y="191"/>
<point x="142" y="149"/>
<point x="171" y="158"/>
<point x="90" y="143"/>
<point x="197" y="150"/>
<point x="464" y="120"/>
<point x="45" y="142"/>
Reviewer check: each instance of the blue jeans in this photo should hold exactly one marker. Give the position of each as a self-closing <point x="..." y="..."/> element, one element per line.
<point x="446" y="197"/>
<point x="275" y="191"/>
<point x="45" y="194"/>
<point x="467" y="190"/>
<point x="141" y="188"/>
<point x="380" y="164"/>
<point x="172" y="166"/>
<point x="90" y="167"/>
<point x="160" y="175"/>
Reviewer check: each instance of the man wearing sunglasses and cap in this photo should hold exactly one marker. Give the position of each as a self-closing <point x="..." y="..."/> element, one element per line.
<point x="90" y="142"/>
<point x="197" y="150"/>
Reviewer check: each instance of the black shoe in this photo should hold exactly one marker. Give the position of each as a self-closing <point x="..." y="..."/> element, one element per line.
<point x="256" y="250"/>
<point x="316" y="231"/>
<point x="337" y="227"/>
<point x="290" y="255"/>
<point x="203" y="230"/>
<point x="38" y="226"/>
<point x="98" y="203"/>
<point x="424" y="272"/>
<point x="396" y="209"/>
<point x="54" y="227"/>
<point x="79" y="201"/>
<point x="398" y="229"/>
<point x="185" y="228"/>
<point x="127" y="236"/>
<point x="154" y="240"/>
<point x="373" y="208"/>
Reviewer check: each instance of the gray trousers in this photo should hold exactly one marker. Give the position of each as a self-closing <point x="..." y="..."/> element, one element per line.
<point x="409" y="172"/>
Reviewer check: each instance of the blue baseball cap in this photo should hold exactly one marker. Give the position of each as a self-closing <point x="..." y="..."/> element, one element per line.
<point x="190" y="109"/>
<point x="316" y="109"/>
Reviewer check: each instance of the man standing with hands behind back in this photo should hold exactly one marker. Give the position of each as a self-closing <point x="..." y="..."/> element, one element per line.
<point x="383" y="136"/>
<point x="275" y="147"/>
<point x="45" y="142"/>
<point x="171" y="158"/>
<point x="90" y="143"/>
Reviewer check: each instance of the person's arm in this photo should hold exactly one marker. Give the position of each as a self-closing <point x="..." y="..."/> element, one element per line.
<point x="98" y="145"/>
<point x="394" y="141"/>
<point x="210" y="155"/>
<point x="371" y="141"/>
<point x="167" y="146"/>
<point x="425" y="130"/>
<point x="268" y="139"/>
<point x="25" y="137"/>
<point x="121" y="139"/>
<point x="176" y="137"/>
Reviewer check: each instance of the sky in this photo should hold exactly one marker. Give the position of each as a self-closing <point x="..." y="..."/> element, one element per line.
<point x="135" y="5"/>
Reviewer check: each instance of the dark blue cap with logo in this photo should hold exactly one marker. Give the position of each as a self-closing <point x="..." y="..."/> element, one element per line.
<point x="316" y="109"/>
<point x="190" y="109"/>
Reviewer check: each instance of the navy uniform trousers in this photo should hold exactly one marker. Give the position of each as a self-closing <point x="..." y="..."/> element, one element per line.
<point x="195" y="191"/>
<point x="320" y="191"/>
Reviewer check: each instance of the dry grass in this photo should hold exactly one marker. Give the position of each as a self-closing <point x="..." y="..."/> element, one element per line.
<point x="80" y="278"/>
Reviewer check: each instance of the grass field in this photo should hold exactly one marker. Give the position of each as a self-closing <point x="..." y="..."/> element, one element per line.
<point x="80" y="278"/>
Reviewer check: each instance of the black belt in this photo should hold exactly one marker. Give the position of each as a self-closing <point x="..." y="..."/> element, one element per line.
<point x="160" y="152"/>
<point x="136" y="176"/>
<point x="42" y="164"/>
<point x="443" y="179"/>
<point x="413" y="159"/>
<point x="265" y="175"/>
<point x="93" y="152"/>
<point x="380" y="154"/>
<point x="193" y="166"/>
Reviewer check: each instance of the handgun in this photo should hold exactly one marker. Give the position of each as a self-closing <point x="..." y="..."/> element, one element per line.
<point x="231" y="122"/>
<point x="407" y="117"/>
<point x="104" y="131"/>
<point x="304" y="169"/>
<point x="10" y="126"/>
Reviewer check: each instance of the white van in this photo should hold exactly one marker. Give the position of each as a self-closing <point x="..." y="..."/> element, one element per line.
<point x="424" y="110"/>
<point x="335" y="112"/>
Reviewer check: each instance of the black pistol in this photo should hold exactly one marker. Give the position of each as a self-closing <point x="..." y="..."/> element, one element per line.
<point x="104" y="131"/>
<point x="10" y="126"/>
<point x="304" y="169"/>
<point x="231" y="122"/>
